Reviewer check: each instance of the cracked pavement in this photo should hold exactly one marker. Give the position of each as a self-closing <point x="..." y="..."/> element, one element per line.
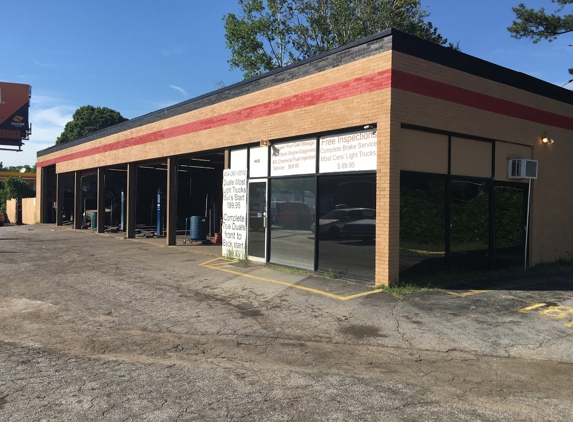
<point x="94" y="328"/>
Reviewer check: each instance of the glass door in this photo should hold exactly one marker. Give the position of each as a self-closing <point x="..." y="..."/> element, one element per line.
<point x="257" y="229"/>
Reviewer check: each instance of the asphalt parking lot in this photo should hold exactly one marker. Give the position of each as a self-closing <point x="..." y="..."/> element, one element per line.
<point x="95" y="327"/>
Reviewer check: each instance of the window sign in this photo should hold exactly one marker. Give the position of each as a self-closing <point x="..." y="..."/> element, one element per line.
<point x="234" y="213"/>
<point x="348" y="152"/>
<point x="258" y="162"/>
<point x="290" y="158"/>
<point x="239" y="159"/>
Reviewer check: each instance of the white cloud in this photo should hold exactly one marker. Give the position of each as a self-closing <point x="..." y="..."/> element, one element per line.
<point x="48" y="65"/>
<point x="181" y="90"/>
<point x="48" y="123"/>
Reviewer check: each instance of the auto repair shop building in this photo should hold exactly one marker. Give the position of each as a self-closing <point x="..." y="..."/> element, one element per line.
<point x="387" y="158"/>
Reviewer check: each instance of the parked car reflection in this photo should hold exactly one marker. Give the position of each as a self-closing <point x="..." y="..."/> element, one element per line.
<point x="291" y="215"/>
<point x="364" y="230"/>
<point x="333" y="224"/>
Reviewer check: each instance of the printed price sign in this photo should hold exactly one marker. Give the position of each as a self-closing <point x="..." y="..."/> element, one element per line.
<point x="348" y="152"/>
<point x="298" y="157"/>
<point x="234" y="213"/>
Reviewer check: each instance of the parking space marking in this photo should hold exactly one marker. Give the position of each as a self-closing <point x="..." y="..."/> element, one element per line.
<point x="551" y="311"/>
<point x="470" y="293"/>
<point x="532" y="307"/>
<point x="218" y="267"/>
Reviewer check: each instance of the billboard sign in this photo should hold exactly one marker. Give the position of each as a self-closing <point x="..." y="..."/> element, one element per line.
<point x="14" y="104"/>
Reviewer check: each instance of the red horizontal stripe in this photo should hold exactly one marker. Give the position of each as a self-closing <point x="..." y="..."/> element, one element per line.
<point x="442" y="91"/>
<point x="357" y="86"/>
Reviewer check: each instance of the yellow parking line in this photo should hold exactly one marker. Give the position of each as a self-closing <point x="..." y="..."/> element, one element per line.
<point x="217" y="267"/>
<point x="557" y="312"/>
<point x="224" y="261"/>
<point x="532" y="307"/>
<point x="470" y="293"/>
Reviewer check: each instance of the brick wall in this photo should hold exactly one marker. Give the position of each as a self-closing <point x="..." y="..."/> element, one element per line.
<point x="365" y="83"/>
<point x="520" y="117"/>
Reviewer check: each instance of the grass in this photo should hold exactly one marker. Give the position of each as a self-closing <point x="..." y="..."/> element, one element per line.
<point x="444" y="280"/>
<point x="401" y="289"/>
<point x="290" y="270"/>
<point x="558" y="265"/>
<point x="330" y="274"/>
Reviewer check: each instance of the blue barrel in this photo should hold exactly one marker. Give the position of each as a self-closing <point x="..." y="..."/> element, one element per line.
<point x="93" y="217"/>
<point x="197" y="228"/>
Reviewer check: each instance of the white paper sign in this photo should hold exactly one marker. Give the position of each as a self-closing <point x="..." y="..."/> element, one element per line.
<point x="298" y="157"/>
<point x="349" y="152"/>
<point x="258" y="162"/>
<point x="234" y="213"/>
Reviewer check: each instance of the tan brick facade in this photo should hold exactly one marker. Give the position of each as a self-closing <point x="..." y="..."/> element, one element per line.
<point x="389" y="88"/>
<point x="551" y="231"/>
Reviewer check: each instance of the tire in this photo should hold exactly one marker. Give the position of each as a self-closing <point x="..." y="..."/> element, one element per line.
<point x="333" y="233"/>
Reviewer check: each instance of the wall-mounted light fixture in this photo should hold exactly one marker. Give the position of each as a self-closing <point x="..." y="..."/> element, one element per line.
<point x="371" y="127"/>
<point x="264" y="143"/>
<point x="547" y="139"/>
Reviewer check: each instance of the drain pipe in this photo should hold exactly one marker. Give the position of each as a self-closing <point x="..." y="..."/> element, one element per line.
<point x="527" y="227"/>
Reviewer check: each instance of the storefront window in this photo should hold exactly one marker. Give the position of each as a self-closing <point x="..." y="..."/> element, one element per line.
<point x="422" y="224"/>
<point x="292" y="211"/>
<point x="469" y="247"/>
<point x="347" y="225"/>
<point x="510" y="216"/>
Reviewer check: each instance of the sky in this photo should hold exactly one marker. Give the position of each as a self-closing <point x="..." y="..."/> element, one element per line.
<point x="138" y="57"/>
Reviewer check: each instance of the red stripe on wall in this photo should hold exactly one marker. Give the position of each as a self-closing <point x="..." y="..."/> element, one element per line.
<point x="357" y="86"/>
<point x="439" y="90"/>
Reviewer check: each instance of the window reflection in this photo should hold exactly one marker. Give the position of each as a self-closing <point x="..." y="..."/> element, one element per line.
<point x="469" y="247"/>
<point x="292" y="210"/>
<point x="347" y="225"/>
<point x="422" y="224"/>
<point x="423" y="208"/>
<point x="510" y="216"/>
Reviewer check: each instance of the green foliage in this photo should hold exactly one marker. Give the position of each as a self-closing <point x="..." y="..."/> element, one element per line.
<point x="422" y="214"/>
<point x="509" y="218"/>
<point x="88" y="119"/>
<point x="470" y="214"/>
<point x="14" y="188"/>
<point x="422" y="211"/>
<point x="274" y="33"/>
<point x="16" y="169"/>
<point x="540" y="25"/>
<point x="399" y="290"/>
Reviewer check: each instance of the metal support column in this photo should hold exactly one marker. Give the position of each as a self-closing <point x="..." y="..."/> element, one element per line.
<point x="77" y="200"/>
<point x="43" y="194"/>
<point x="100" y="200"/>
<point x="59" y="199"/>
<point x="130" y="217"/>
<point x="171" y="201"/>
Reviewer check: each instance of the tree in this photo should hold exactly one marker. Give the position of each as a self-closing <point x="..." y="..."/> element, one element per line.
<point x="14" y="188"/>
<point x="274" y="33"/>
<point x="88" y="119"/>
<point x="29" y="169"/>
<point x="539" y="25"/>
